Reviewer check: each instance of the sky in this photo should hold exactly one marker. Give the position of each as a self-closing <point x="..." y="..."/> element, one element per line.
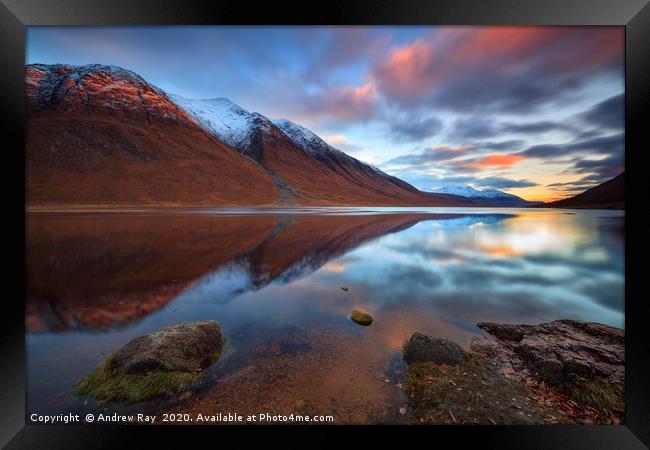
<point x="534" y="111"/>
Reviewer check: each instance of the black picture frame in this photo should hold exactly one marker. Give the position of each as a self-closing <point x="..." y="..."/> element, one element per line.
<point x="634" y="15"/>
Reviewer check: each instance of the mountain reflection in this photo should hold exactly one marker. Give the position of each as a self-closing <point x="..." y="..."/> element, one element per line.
<point x="96" y="272"/>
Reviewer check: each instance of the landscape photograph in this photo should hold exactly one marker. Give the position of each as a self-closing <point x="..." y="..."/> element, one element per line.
<point x="325" y="225"/>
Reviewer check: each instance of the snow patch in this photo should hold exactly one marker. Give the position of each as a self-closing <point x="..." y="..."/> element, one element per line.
<point x="229" y="122"/>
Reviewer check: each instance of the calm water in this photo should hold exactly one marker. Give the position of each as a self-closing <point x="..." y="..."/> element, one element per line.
<point x="273" y="280"/>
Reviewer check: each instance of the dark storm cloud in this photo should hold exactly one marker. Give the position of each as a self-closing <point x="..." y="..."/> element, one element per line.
<point x="414" y="129"/>
<point x="494" y="94"/>
<point x="504" y="183"/>
<point x="584" y="135"/>
<point x="474" y="128"/>
<point x="609" y="113"/>
<point x="534" y="127"/>
<point x="605" y="168"/>
<point x="606" y="145"/>
<point x="429" y="155"/>
<point x="584" y="182"/>
<point x="499" y="146"/>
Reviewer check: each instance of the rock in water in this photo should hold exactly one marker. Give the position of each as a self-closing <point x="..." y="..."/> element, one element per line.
<point x="422" y="348"/>
<point x="184" y="347"/>
<point x="160" y="363"/>
<point x="556" y="352"/>
<point x="361" y="317"/>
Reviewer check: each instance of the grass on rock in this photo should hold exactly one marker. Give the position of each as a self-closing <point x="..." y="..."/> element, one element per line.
<point x="471" y="393"/>
<point x="607" y="400"/>
<point x="468" y="394"/>
<point x="106" y="384"/>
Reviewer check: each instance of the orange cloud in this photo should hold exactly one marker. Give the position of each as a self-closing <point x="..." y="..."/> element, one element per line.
<point x="407" y="69"/>
<point x="496" y="160"/>
<point x="499" y="160"/>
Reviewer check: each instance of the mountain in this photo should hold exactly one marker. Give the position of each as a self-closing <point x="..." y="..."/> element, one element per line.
<point x="608" y="195"/>
<point x="306" y="170"/>
<point x="487" y="197"/>
<point x="98" y="135"/>
<point x="468" y="191"/>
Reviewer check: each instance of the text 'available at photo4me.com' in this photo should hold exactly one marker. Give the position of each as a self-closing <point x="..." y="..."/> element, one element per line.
<point x="199" y="418"/>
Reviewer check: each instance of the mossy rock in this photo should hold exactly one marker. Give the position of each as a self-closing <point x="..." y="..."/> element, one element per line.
<point x="422" y="348"/>
<point x="472" y="393"/>
<point x="184" y="347"/>
<point x="159" y="363"/>
<point x="468" y="393"/>
<point x="105" y="383"/>
<point x="361" y="317"/>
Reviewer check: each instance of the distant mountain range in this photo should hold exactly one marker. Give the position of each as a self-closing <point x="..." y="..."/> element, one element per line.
<point x="608" y="195"/>
<point x="99" y="135"/>
<point x="487" y="197"/>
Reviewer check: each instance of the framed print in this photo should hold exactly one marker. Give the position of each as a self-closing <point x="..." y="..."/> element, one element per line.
<point x="382" y="221"/>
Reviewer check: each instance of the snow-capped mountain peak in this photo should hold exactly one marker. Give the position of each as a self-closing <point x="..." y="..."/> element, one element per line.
<point x="314" y="144"/>
<point x="468" y="191"/>
<point x="306" y="139"/>
<point x="487" y="196"/>
<point x="238" y="127"/>
<point x="223" y="118"/>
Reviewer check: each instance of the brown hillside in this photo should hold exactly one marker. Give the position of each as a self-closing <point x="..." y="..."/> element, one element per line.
<point x="99" y="135"/>
<point x="609" y="195"/>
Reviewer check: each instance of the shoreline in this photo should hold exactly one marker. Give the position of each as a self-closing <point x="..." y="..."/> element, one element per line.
<point x="53" y="209"/>
<point x="561" y="372"/>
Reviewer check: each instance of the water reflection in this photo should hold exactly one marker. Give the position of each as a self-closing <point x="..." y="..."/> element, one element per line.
<point x="273" y="282"/>
<point x="105" y="270"/>
<point x="101" y="271"/>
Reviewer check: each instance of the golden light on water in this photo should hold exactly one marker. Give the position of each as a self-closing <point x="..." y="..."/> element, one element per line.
<point x="533" y="233"/>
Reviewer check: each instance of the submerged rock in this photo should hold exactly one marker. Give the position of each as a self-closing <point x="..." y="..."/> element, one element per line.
<point x="556" y="352"/>
<point x="361" y="317"/>
<point x="184" y="347"/>
<point x="422" y="348"/>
